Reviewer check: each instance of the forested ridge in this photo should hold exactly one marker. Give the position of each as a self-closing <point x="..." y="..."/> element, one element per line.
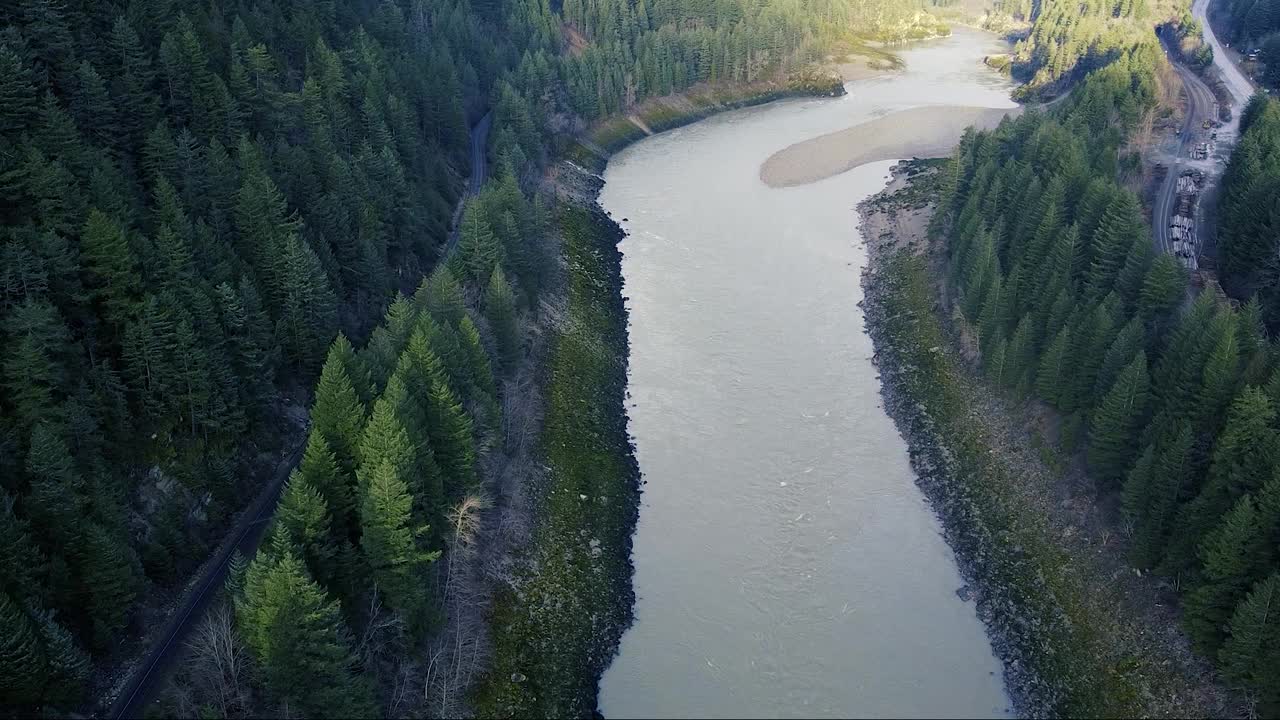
<point x="198" y="197"/>
<point x="645" y="49"/>
<point x="1174" y="406"/>
<point x="222" y="215"/>
<point x="201" y="196"/>
<point x="1069" y="39"/>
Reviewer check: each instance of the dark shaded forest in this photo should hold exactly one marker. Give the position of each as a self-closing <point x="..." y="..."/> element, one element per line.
<point x="1249" y="211"/>
<point x="198" y="198"/>
<point x="1250" y="21"/>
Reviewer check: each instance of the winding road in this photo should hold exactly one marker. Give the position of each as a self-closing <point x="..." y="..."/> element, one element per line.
<point x="1234" y="80"/>
<point x="246" y="535"/>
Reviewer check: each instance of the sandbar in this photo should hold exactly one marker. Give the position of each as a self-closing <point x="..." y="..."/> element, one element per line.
<point x="922" y="132"/>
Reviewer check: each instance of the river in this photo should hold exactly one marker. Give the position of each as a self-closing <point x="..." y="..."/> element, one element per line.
<point x="785" y="562"/>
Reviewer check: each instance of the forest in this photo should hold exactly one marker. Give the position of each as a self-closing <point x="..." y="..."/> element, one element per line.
<point x="224" y="241"/>
<point x="641" y="49"/>
<point x="199" y="197"/>
<point x="1067" y="40"/>
<point x="1249" y="211"/>
<point x="1174" y="409"/>
<point x="1250" y="21"/>
<point x="234" y="231"/>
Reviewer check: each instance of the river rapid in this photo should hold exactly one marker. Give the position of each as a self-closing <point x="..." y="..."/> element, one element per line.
<point x="785" y="562"/>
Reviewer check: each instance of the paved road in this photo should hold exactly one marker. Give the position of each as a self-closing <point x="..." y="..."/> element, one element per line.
<point x="1234" y="80"/>
<point x="246" y="535"/>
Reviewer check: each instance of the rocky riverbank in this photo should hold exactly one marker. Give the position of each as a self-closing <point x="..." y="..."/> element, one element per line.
<point x="1078" y="631"/>
<point x="566" y="597"/>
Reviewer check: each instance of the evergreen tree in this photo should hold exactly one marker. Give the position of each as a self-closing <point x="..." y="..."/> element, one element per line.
<point x="237" y="569"/>
<point x="21" y="657"/>
<point x="1232" y="555"/>
<point x="304" y="521"/>
<point x="388" y="340"/>
<point x="111" y="579"/>
<point x="1050" y="376"/>
<point x="1251" y="654"/>
<point x="441" y="295"/>
<point x="359" y="375"/>
<point x="1126" y="346"/>
<point x="1113" y="434"/>
<point x="478" y="250"/>
<point x="131" y="77"/>
<point x="308" y="310"/>
<point x="319" y="470"/>
<point x="500" y="311"/>
<point x="480" y="372"/>
<point x="92" y="108"/>
<point x="1152" y="491"/>
<point x="248" y="351"/>
<point x="297" y="636"/>
<point x="425" y="479"/>
<point x="389" y="538"/>
<point x="1136" y="270"/>
<point x="66" y="665"/>
<point x="1243" y="458"/>
<point x="17" y="90"/>
<point x="268" y="231"/>
<point x="1092" y="335"/>
<point x="1221" y="375"/>
<point x="337" y="413"/>
<point x="989" y="322"/>
<point x="55" y="503"/>
<point x="33" y="370"/>
<point x="446" y="343"/>
<point x="384" y="441"/>
<point x="160" y="154"/>
<point x="1020" y="356"/>
<point x="979" y="268"/>
<point x="1162" y="290"/>
<point x="1177" y="377"/>
<point x="112" y="276"/>
<point x="451" y="437"/>
<point x="20" y="560"/>
<point x="1118" y="230"/>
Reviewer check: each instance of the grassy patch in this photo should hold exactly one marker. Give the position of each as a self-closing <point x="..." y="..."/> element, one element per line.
<point x="925" y="183"/>
<point x="1050" y="455"/>
<point x="557" y="629"/>
<point x="877" y="57"/>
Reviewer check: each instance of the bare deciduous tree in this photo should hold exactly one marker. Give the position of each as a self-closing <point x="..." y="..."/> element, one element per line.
<point x="458" y="652"/>
<point x="220" y="662"/>
<point x="381" y="629"/>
